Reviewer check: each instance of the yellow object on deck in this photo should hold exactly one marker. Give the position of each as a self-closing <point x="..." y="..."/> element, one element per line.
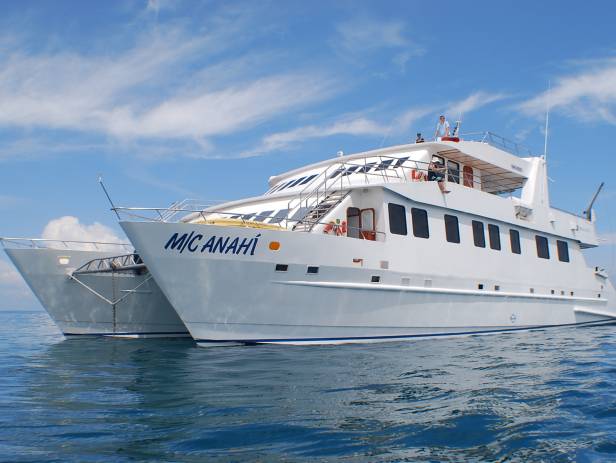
<point x="238" y="223"/>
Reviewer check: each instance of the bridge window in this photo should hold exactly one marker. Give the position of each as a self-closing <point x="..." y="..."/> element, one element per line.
<point x="397" y="219"/>
<point x="494" y="234"/>
<point x="543" y="251"/>
<point x="479" y="236"/>
<point x="308" y="179"/>
<point x="420" y="223"/>
<point x="514" y="239"/>
<point x="563" y="250"/>
<point x="452" y="229"/>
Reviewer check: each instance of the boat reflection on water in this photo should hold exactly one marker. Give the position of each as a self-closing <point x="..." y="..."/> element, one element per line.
<point x="482" y="397"/>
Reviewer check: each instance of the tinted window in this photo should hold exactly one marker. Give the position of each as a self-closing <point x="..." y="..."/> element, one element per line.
<point x="420" y="223"/>
<point x="308" y="179"/>
<point x="494" y="234"/>
<point x="452" y="231"/>
<point x="563" y="251"/>
<point x="397" y="219"/>
<point x="542" y="247"/>
<point x="478" y="234"/>
<point x="514" y="238"/>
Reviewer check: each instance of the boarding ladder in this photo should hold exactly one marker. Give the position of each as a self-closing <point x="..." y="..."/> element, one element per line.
<point x="320" y="210"/>
<point x="129" y="263"/>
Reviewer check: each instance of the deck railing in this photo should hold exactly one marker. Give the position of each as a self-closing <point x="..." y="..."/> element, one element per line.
<point x="44" y="243"/>
<point x="497" y="141"/>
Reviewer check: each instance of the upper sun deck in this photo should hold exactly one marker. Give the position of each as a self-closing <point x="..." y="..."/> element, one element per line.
<point x="479" y="163"/>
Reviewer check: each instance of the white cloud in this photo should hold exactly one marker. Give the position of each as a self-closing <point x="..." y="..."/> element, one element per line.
<point x="69" y="228"/>
<point x="156" y="90"/>
<point x="588" y="95"/>
<point x="361" y="36"/>
<point x="360" y="125"/>
<point x="472" y="102"/>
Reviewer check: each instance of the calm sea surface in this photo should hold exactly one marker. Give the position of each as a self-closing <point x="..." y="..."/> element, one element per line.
<point x="542" y="396"/>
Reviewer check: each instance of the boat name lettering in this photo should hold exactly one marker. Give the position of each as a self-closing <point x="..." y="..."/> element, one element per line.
<point x="196" y="242"/>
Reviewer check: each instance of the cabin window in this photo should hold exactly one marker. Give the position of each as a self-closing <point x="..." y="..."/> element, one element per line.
<point x="367" y="224"/>
<point x="453" y="172"/>
<point x="494" y="234"/>
<point x="384" y="165"/>
<point x="543" y="250"/>
<point x="468" y="176"/>
<point x="514" y="239"/>
<point x="563" y="250"/>
<point x="350" y="170"/>
<point x="452" y="229"/>
<point x="353" y="222"/>
<point x="420" y="223"/>
<point x="248" y="216"/>
<point x="261" y="216"/>
<point x="397" y="219"/>
<point x="279" y="216"/>
<point x="479" y="237"/>
<point x="296" y="182"/>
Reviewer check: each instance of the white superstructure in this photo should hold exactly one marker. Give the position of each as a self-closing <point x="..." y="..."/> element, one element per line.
<point x="91" y="288"/>
<point x="363" y="248"/>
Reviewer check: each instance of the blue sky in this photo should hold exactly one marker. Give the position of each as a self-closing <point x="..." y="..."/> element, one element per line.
<point x="174" y="99"/>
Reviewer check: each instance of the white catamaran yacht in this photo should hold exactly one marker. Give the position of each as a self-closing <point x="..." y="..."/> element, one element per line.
<point x="91" y="288"/>
<point x="364" y="248"/>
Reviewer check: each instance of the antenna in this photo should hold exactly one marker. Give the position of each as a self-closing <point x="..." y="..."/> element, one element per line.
<point x="547" y="121"/>
<point x="588" y="211"/>
<point x="113" y="208"/>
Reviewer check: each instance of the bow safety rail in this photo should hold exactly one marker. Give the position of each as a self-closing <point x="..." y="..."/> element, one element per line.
<point x="125" y="263"/>
<point x="74" y="245"/>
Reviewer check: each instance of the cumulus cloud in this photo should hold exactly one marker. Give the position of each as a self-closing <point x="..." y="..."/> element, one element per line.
<point x="69" y="228"/>
<point x="588" y="95"/>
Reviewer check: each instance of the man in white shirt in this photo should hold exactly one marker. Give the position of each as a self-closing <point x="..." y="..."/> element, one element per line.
<point x="442" y="128"/>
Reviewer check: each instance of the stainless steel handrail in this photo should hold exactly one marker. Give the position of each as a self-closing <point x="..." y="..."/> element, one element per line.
<point x="497" y="141"/>
<point x="39" y="242"/>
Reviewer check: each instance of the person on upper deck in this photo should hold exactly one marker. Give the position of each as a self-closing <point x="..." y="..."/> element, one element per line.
<point x="442" y="128"/>
<point x="436" y="173"/>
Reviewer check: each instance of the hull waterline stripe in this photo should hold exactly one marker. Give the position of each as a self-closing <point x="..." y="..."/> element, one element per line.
<point x="403" y="336"/>
<point x="131" y="333"/>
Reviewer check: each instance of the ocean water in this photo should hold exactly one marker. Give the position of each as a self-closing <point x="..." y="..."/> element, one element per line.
<point x="540" y="396"/>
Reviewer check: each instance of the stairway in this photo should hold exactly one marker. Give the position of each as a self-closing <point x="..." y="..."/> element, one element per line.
<point x="319" y="211"/>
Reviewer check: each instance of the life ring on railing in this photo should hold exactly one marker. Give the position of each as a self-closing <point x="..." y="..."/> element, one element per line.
<point x="329" y="227"/>
<point x="341" y="229"/>
<point x="417" y="175"/>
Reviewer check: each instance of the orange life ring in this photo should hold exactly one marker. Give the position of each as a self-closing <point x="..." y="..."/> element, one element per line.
<point x="328" y="229"/>
<point x="417" y="175"/>
<point x="341" y="229"/>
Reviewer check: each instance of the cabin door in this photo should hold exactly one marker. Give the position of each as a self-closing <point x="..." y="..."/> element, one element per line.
<point x="368" y="228"/>
<point x="467" y="174"/>
<point x="353" y="222"/>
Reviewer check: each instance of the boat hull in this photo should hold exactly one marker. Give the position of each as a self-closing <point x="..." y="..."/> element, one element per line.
<point x="241" y="298"/>
<point x="77" y="310"/>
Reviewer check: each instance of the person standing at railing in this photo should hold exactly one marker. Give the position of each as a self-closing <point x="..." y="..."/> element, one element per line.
<point x="436" y="173"/>
<point x="442" y="128"/>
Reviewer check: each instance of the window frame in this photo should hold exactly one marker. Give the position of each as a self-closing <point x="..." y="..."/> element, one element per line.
<point x="494" y="236"/>
<point x="389" y="216"/>
<point x="563" y="256"/>
<point x="479" y="240"/>
<point x="539" y="240"/>
<point x="417" y="216"/>
<point x="452" y="235"/>
<point x="513" y="232"/>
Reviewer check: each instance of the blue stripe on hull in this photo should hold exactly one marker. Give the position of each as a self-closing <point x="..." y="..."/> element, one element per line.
<point x="404" y="336"/>
<point x="136" y="333"/>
